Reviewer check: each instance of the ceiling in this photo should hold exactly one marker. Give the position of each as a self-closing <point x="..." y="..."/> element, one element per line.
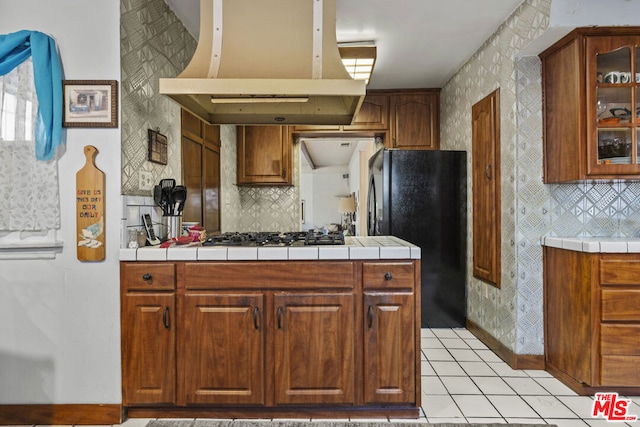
<point x="420" y="43"/>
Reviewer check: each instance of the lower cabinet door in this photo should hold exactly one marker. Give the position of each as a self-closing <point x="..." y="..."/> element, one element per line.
<point x="148" y="348"/>
<point x="314" y="348"/>
<point x="389" y="356"/>
<point x="222" y="355"/>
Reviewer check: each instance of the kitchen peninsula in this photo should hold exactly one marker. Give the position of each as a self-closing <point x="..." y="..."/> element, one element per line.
<point x="282" y="331"/>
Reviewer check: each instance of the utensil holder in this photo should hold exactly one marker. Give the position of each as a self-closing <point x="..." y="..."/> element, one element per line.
<point x="173" y="223"/>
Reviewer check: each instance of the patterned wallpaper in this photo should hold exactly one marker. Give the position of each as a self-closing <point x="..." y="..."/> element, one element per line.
<point x="530" y="209"/>
<point x="153" y="44"/>
<point x="256" y="208"/>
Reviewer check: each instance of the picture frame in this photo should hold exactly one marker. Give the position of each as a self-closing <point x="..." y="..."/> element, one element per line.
<point x="157" y="147"/>
<point x="90" y="103"/>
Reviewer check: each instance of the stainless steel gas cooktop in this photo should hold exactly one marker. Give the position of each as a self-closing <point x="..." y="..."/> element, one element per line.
<point x="265" y="238"/>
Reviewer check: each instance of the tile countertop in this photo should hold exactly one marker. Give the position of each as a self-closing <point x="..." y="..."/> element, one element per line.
<point x="593" y="244"/>
<point x="378" y="247"/>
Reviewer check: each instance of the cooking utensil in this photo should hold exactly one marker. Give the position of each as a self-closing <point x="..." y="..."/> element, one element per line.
<point x="157" y="195"/>
<point x="167" y="185"/>
<point x="179" y="195"/>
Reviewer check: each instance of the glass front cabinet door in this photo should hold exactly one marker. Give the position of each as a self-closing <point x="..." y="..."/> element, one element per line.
<point x="613" y="105"/>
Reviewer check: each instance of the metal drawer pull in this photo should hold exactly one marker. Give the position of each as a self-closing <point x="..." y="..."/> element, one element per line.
<point x="388" y="276"/>
<point x="255" y="317"/>
<point x="370" y="317"/>
<point x="165" y="318"/>
<point x="147" y="277"/>
<point x="279" y="317"/>
<point x="487" y="172"/>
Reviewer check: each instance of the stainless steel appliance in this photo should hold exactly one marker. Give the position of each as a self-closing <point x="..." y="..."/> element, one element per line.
<point x="420" y="196"/>
<point x="265" y="238"/>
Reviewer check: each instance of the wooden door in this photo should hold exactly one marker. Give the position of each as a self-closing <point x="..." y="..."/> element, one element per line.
<point x="389" y="356"/>
<point x="192" y="179"/>
<point x="264" y="155"/>
<point x="222" y="355"/>
<point x="148" y="348"/>
<point x="486" y="188"/>
<point x="314" y="348"/>
<point x="211" y="179"/>
<point x="201" y="172"/>
<point x="414" y="121"/>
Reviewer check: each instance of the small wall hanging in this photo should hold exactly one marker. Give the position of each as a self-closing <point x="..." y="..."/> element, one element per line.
<point x="90" y="103"/>
<point x="90" y="224"/>
<point x="157" y="147"/>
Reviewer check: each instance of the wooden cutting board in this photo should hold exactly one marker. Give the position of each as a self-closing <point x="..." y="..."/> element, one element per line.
<point x="90" y="220"/>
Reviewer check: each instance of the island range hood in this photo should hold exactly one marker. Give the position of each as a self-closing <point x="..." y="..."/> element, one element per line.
<point x="267" y="62"/>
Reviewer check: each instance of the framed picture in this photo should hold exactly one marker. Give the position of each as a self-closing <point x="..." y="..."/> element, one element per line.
<point x="157" y="147"/>
<point x="90" y="103"/>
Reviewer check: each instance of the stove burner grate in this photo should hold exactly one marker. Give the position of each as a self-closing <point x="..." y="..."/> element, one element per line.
<point x="265" y="238"/>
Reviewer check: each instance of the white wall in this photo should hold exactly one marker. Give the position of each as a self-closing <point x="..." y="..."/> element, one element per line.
<point x="321" y="190"/>
<point x="59" y="319"/>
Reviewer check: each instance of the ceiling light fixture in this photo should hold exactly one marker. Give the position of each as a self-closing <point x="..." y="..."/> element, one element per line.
<point x="358" y="59"/>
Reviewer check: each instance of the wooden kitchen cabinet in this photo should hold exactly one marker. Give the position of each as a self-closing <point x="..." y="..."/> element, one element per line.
<point x="278" y="338"/>
<point x="264" y="155"/>
<point x="373" y="116"/>
<point x="223" y="348"/>
<point x="414" y="120"/>
<point x="201" y="171"/>
<point x="314" y="348"/>
<point x="389" y="333"/>
<point x="405" y="118"/>
<point x="592" y="318"/>
<point x="148" y="334"/>
<point x="591" y="100"/>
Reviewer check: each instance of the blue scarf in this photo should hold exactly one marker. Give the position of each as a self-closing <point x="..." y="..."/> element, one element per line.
<point x="15" y="48"/>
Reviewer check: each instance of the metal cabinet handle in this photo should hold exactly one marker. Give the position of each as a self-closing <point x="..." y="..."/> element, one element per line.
<point x="279" y="317"/>
<point x="370" y="314"/>
<point x="487" y="171"/>
<point x="255" y="317"/>
<point x="388" y="276"/>
<point x="165" y="318"/>
<point x="147" y="277"/>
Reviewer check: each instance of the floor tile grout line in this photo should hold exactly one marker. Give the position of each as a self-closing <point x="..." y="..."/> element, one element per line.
<point x="497" y="375"/>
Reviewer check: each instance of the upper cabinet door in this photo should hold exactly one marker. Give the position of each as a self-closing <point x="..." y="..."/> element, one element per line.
<point x="613" y="82"/>
<point x="591" y="101"/>
<point x="264" y="155"/>
<point x="373" y="114"/>
<point x="415" y="121"/>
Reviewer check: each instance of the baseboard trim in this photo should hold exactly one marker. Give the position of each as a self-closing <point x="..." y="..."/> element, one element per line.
<point x="65" y="414"/>
<point x="516" y="361"/>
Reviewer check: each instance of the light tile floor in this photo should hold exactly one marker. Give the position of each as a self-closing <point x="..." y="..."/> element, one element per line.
<point x="462" y="380"/>
<point x="465" y="382"/>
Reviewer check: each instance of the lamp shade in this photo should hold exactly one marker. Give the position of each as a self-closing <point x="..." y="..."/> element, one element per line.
<point x="347" y="204"/>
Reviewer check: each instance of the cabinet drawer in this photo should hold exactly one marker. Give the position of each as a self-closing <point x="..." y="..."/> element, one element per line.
<point x="619" y="272"/>
<point x="620" y="304"/>
<point x="388" y="275"/>
<point x="620" y="339"/>
<point x="620" y="371"/>
<point x="270" y="275"/>
<point x="140" y="276"/>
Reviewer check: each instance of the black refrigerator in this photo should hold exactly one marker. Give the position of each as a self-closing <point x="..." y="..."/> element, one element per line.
<point x="421" y="196"/>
